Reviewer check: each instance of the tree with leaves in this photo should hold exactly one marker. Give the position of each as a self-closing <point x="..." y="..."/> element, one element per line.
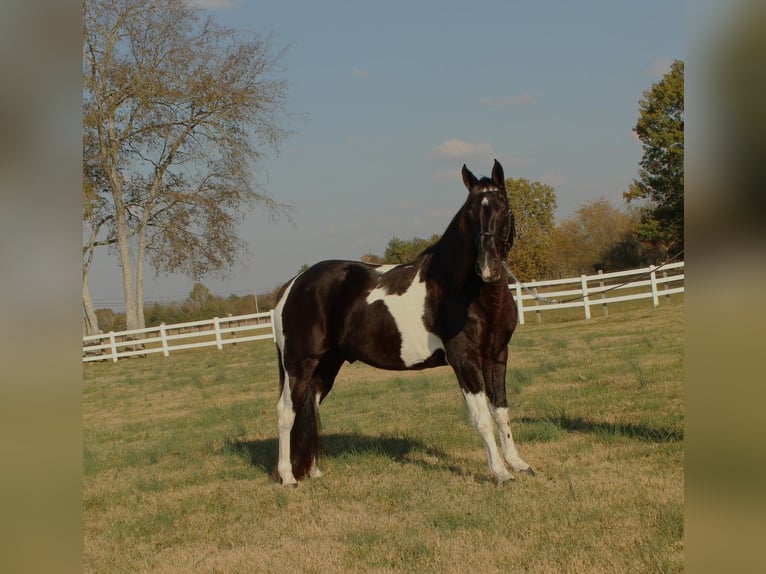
<point x="405" y="250"/>
<point x="582" y="241"/>
<point x="176" y="112"/>
<point x="660" y="128"/>
<point x="533" y="205"/>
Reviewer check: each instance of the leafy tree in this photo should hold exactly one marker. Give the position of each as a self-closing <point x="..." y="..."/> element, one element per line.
<point x="200" y="295"/>
<point x="405" y="250"/>
<point x="175" y="110"/>
<point x="581" y="241"/>
<point x="629" y="252"/>
<point x="660" y="128"/>
<point x="533" y="204"/>
<point x="372" y="258"/>
<point x="106" y="319"/>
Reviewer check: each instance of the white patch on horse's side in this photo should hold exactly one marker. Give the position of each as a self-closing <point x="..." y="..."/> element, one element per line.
<point x="279" y="332"/>
<point x="408" y="309"/>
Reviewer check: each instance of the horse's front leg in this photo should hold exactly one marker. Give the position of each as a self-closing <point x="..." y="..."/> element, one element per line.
<point x="482" y="421"/>
<point x="471" y="383"/>
<point x="495" y="380"/>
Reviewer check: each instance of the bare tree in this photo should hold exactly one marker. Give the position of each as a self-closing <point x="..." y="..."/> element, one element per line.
<point x="97" y="217"/>
<point x="178" y="109"/>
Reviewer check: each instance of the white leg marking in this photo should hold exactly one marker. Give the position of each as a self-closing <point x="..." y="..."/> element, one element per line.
<point x="314" y="472"/>
<point x="286" y="417"/>
<point x="408" y="309"/>
<point x="511" y="455"/>
<point x="482" y="420"/>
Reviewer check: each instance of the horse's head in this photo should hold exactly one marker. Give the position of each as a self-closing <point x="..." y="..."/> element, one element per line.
<point x="490" y="221"/>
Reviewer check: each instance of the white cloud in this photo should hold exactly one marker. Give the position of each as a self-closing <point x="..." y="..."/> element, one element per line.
<point x="461" y="150"/>
<point x="658" y="68"/>
<point x="507" y="102"/>
<point x="359" y="73"/>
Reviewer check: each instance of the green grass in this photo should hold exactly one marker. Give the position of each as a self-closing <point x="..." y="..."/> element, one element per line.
<point x="177" y="453"/>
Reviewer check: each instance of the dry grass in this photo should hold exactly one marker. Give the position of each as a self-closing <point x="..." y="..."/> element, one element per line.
<point x="177" y="452"/>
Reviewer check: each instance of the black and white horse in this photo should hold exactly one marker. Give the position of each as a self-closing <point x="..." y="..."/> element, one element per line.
<point x="451" y="305"/>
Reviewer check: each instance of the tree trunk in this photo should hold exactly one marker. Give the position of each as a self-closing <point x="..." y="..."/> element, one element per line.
<point x="140" y="279"/>
<point x="91" y="319"/>
<point x="123" y="248"/>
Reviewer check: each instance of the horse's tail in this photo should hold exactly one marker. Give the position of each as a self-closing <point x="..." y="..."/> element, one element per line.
<point x="304" y="437"/>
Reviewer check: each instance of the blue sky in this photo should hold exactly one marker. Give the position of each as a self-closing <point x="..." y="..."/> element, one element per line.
<point x="387" y="100"/>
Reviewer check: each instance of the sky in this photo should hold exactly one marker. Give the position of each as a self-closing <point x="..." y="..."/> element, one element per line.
<point x="388" y="100"/>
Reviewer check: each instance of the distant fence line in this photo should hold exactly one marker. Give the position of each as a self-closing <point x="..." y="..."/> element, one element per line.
<point x="215" y="332"/>
<point x="585" y="291"/>
<point x="588" y="291"/>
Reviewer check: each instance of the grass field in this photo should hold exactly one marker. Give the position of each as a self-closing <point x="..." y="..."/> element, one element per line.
<point x="177" y="453"/>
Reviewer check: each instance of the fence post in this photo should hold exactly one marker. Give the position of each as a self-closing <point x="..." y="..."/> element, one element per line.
<point x="217" y="325"/>
<point x="538" y="314"/>
<point x="665" y="285"/>
<point x="585" y="300"/>
<point x="604" y="308"/>
<point x="519" y="303"/>
<point x="113" y="344"/>
<point x="653" y="281"/>
<point x="232" y="335"/>
<point x="164" y="337"/>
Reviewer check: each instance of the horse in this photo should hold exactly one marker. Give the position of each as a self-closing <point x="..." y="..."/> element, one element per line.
<point x="451" y="305"/>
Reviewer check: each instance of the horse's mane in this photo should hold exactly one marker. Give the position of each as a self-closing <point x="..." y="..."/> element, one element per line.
<point x="452" y="256"/>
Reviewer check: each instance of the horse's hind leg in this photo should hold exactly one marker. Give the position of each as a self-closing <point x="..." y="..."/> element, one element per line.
<point x="324" y="377"/>
<point x="297" y="422"/>
<point x="286" y="418"/>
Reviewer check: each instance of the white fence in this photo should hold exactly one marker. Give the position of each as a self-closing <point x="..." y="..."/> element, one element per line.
<point x="585" y="292"/>
<point x="588" y="291"/>
<point x="164" y="338"/>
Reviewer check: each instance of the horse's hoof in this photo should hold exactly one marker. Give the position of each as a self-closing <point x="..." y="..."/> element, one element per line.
<point x="291" y="485"/>
<point x="502" y="480"/>
<point x="529" y="470"/>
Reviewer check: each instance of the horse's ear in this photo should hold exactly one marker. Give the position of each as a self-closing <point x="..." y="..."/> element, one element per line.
<point x="469" y="179"/>
<point x="498" y="177"/>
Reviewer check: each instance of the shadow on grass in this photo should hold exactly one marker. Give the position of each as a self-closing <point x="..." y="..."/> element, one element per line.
<point x="262" y="453"/>
<point x="649" y="433"/>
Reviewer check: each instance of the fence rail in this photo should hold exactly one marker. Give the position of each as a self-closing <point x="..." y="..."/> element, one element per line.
<point x="584" y="292"/>
<point x="589" y="291"/>
<point x="215" y="332"/>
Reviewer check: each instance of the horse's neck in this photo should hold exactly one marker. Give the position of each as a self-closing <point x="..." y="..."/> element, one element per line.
<point x="455" y="257"/>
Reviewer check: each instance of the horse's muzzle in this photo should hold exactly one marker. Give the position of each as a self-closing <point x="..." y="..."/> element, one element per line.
<point x="489" y="273"/>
